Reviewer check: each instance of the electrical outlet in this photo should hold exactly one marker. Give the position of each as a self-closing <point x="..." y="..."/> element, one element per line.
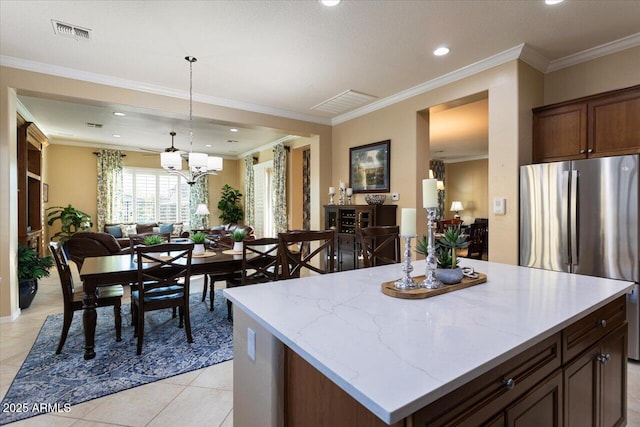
<point x="251" y="344"/>
<point x="395" y="196"/>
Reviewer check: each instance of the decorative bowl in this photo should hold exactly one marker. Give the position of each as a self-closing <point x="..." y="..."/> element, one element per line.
<point x="375" y="199"/>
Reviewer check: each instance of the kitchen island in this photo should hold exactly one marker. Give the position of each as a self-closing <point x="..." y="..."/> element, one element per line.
<point x="378" y="359"/>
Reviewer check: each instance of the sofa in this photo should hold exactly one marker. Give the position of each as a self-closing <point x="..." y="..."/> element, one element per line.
<point x="230" y="228"/>
<point x="121" y="231"/>
<point x="86" y="244"/>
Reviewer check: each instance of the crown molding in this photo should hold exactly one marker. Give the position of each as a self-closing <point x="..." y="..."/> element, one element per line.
<point x="267" y="146"/>
<point x="534" y="58"/>
<point x="55" y="70"/>
<point x="445" y="79"/>
<point x="464" y="159"/>
<point x="595" y="52"/>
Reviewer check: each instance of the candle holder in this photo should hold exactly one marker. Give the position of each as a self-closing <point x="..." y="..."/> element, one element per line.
<point x="406" y="282"/>
<point x="341" y="197"/>
<point x="331" y="202"/>
<point x="430" y="280"/>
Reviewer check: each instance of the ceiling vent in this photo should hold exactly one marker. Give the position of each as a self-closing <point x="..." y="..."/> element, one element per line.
<point x="72" y="31"/>
<point x="345" y="101"/>
<point x="95" y="125"/>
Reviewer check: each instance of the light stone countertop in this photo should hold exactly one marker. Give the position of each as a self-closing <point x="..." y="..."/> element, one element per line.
<point x="395" y="356"/>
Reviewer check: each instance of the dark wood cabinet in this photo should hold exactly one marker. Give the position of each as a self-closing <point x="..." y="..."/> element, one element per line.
<point x="346" y="219"/>
<point x="606" y="124"/>
<point x="30" y="216"/>
<point x="542" y="406"/>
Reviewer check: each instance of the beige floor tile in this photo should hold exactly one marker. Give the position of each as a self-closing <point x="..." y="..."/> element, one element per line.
<point x="136" y="406"/>
<point x="84" y="423"/>
<point x="183" y="379"/>
<point x="196" y="406"/>
<point x="218" y="376"/>
<point x="47" y="420"/>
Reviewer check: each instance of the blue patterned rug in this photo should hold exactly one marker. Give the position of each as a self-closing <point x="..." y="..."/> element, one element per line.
<point x="48" y="382"/>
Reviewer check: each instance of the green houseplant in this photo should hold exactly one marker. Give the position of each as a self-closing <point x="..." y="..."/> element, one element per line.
<point x="446" y="249"/>
<point x="31" y="267"/>
<point x="238" y="236"/>
<point x="198" y="239"/>
<point x="153" y="239"/>
<point x="72" y="220"/>
<point x="229" y="205"/>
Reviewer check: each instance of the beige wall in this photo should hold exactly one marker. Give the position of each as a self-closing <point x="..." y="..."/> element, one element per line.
<point x="467" y="182"/>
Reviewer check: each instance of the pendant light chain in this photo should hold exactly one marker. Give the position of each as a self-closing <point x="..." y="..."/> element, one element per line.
<point x="191" y="60"/>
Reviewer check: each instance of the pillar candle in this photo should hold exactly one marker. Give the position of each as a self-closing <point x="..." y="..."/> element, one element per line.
<point x="429" y="193"/>
<point x="349" y="191"/>
<point x="342" y="185"/>
<point x="332" y="190"/>
<point x="408" y="222"/>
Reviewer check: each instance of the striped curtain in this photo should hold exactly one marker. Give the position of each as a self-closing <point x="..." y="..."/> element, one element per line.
<point x="279" y="188"/>
<point x="110" y="187"/>
<point x="249" y="192"/>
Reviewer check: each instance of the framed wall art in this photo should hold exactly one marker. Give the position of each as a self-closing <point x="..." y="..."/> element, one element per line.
<point x="369" y="167"/>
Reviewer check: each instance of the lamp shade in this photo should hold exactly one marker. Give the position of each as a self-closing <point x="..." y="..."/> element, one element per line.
<point x="456" y="206"/>
<point x="440" y="185"/>
<point x="202" y="209"/>
<point x="198" y="161"/>
<point x="214" y="163"/>
<point x="171" y="160"/>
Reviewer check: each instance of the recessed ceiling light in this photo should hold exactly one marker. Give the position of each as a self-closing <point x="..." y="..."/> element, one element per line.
<point x="553" y="1"/>
<point x="330" y="3"/>
<point x="117" y="113"/>
<point x="115" y="135"/>
<point x="233" y="130"/>
<point x="208" y="145"/>
<point x="441" y="51"/>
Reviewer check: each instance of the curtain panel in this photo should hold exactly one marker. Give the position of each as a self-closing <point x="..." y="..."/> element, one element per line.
<point x="437" y="166"/>
<point x="199" y="194"/>
<point x="110" y="187"/>
<point x="249" y="192"/>
<point x="280" y="188"/>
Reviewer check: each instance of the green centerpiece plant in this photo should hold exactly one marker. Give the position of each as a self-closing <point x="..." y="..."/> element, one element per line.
<point x="153" y="239"/>
<point x="238" y="237"/>
<point x="199" y="239"/>
<point x="447" y="245"/>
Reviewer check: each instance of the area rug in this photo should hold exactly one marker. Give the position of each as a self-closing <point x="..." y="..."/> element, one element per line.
<point x="47" y="382"/>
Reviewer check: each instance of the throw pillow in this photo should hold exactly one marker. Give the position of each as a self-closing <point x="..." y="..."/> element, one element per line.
<point x="128" y="229"/>
<point x="165" y="228"/>
<point x="177" y="230"/>
<point x="156" y="230"/>
<point x="114" y="230"/>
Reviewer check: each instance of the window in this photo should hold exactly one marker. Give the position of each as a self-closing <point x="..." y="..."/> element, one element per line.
<point x="152" y="195"/>
<point x="263" y="180"/>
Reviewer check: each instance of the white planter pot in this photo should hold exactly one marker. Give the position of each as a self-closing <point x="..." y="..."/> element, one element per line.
<point x="198" y="249"/>
<point x="237" y="246"/>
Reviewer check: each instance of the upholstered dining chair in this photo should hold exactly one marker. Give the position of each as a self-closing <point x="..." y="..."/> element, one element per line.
<point x="260" y="264"/>
<point x="313" y="251"/>
<point x="72" y="297"/>
<point x="380" y="245"/>
<point x="163" y="282"/>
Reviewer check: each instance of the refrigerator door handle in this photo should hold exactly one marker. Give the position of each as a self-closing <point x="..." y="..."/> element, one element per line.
<point x="565" y="215"/>
<point x="573" y="217"/>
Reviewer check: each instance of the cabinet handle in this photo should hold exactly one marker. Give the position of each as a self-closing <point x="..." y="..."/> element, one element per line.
<point x="582" y="151"/>
<point x="509" y="383"/>
<point x="604" y="358"/>
<point x="590" y="150"/>
<point x="603" y="323"/>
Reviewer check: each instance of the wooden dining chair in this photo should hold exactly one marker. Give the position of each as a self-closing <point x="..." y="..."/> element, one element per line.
<point x="164" y="273"/>
<point x="444" y="224"/>
<point x="260" y="264"/>
<point x="379" y="245"/>
<point x="309" y="250"/>
<point x="477" y="237"/>
<point x="72" y="297"/>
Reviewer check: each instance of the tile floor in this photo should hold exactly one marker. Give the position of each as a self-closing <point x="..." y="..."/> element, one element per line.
<point x="203" y="397"/>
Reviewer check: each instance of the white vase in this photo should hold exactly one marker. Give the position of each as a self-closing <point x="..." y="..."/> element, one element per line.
<point x="237" y="246"/>
<point x="198" y="249"/>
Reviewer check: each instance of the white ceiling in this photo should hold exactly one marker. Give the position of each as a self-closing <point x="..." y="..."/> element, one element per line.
<point x="278" y="57"/>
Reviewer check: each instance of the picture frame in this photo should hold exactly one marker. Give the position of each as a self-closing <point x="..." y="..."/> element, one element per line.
<point x="45" y="193"/>
<point x="370" y="167"/>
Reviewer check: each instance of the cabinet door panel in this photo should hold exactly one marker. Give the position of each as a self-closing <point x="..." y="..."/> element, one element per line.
<point x="542" y="406"/>
<point x="581" y="390"/>
<point x="614" y="125"/>
<point x="560" y="133"/>
<point x="614" y="378"/>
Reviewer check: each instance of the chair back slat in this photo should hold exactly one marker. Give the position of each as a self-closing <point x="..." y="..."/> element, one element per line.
<point x="164" y="269"/>
<point x="477" y="238"/>
<point x="295" y="257"/>
<point x="260" y="261"/>
<point x="64" y="271"/>
<point x="380" y="245"/>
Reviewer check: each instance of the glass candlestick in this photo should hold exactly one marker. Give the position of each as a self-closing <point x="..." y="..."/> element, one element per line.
<point x="430" y="280"/>
<point x="406" y="282"/>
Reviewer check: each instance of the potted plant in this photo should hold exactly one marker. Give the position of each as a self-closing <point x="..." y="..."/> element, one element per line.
<point x="153" y="239"/>
<point x="447" y="245"/>
<point x="238" y="236"/>
<point x="72" y="220"/>
<point x="31" y="267"/>
<point x="198" y="239"/>
<point x="229" y="205"/>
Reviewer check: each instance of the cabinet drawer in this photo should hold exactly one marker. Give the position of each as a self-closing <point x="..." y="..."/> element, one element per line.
<point x="587" y="331"/>
<point x="347" y="242"/>
<point x="483" y="398"/>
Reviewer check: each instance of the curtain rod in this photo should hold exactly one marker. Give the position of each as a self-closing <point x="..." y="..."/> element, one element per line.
<point x="98" y="154"/>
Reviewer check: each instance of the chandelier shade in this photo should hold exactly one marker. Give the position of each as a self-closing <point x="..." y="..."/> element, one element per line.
<point x="200" y="164"/>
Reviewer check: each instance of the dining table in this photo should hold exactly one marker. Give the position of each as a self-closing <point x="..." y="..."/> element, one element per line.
<point x="122" y="269"/>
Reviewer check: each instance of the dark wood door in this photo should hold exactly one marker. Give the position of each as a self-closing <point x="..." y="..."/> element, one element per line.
<point x="614" y="124"/>
<point x="560" y="133"/>
<point x="541" y="406"/>
<point x="613" y="378"/>
<point x="581" y="390"/>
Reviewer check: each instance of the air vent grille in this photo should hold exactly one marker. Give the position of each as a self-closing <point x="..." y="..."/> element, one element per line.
<point x="343" y="102"/>
<point x="94" y="125"/>
<point x="72" y="31"/>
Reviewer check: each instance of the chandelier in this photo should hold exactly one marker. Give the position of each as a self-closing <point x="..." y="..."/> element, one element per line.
<point x="200" y="164"/>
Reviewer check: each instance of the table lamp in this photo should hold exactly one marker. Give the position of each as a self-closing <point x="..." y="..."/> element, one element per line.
<point x="456" y="206"/>
<point x="203" y="211"/>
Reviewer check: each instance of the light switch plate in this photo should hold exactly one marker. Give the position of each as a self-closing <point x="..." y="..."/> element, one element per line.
<point x="499" y="206"/>
<point x="395" y="196"/>
<point x="251" y="343"/>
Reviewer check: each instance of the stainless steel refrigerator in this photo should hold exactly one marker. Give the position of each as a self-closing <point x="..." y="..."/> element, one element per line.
<point x="581" y="217"/>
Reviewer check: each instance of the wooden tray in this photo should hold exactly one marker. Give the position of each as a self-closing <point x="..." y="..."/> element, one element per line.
<point x="388" y="288"/>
